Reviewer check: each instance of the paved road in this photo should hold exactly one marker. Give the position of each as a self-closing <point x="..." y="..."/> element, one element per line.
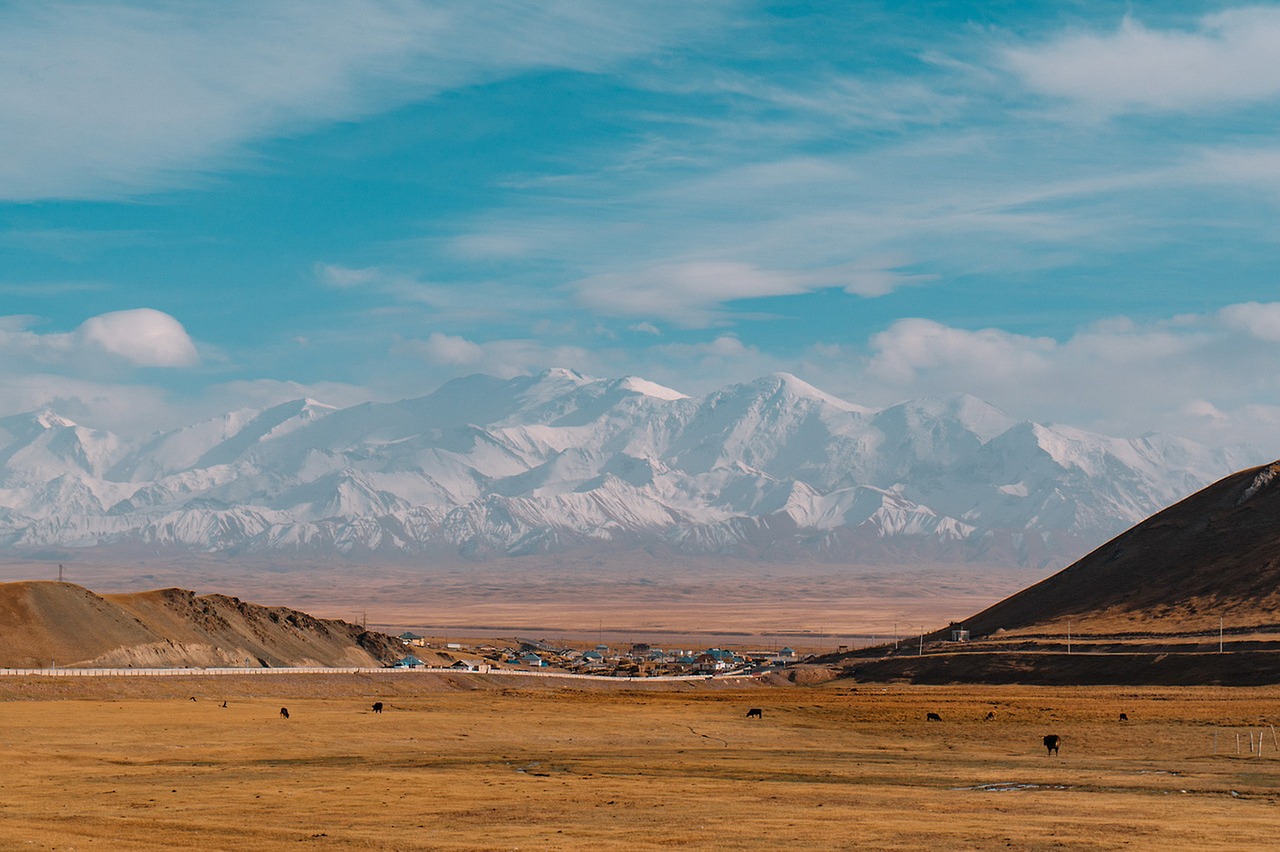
<point x="403" y="672"/>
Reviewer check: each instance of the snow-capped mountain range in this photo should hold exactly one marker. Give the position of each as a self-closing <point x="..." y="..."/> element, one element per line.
<point x="773" y="468"/>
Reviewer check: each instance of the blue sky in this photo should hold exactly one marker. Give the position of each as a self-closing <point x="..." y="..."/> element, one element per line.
<point x="1068" y="209"/>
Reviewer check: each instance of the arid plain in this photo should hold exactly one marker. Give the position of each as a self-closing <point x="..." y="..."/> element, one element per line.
<point x="687" y="603"/>
<point x="498" y="762"/>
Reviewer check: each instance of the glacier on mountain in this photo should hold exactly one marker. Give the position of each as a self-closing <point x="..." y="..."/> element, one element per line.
<point x="774" y="468"/>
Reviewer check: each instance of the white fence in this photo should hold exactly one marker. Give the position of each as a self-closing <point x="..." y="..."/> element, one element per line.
<point x="187" y="672"/>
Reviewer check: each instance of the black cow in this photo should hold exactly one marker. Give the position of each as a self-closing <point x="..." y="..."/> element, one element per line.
<point x="1124" y="717"/>
<point x="932" y="717"/>
<point x="377" y="706"/>
<point x="1051" y="743"/>
<point x="284" y="712"/>
<point x="991" y="716"/>
<point x="755" y="713"/>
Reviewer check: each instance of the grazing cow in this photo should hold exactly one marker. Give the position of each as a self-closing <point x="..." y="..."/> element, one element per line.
<point x="224" y="704"/>
<point x="991" y="716"/>
<point x="932" y="717"/>
<point x="1051" y="743"/>
<point x="284" y="712"/>
<point x="755" y="713"/>
<point x="377" y="706"/>
<point x="193" y="698"/>
<point x="1124" y="717"/>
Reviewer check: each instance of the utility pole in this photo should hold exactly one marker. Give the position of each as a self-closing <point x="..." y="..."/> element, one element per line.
<point x="59" y="572"/>
<point x="922" y="640"/>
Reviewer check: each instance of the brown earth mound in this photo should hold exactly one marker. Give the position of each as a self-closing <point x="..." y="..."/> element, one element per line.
<point x="48" y="623"/>
<point x="1214" y="555"/>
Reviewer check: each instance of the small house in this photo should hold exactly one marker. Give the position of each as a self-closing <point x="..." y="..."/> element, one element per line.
<point x="470" y="666"/>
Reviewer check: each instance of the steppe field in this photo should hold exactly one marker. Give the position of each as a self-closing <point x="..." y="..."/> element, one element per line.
<point x="493" y="762"/>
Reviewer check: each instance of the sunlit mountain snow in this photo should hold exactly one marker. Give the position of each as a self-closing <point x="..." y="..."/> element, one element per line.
<point x="773" y="468"/>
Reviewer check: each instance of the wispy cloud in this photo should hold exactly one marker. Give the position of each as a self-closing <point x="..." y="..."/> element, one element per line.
<point x="459" y="302"/>
<point x="114" y="99"/>
<point x="695" y="293"/>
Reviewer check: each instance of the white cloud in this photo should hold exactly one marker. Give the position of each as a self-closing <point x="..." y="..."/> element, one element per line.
<point x="1228" y="58"/>
<point x="446" y="349"/>
<point x="913" y="346"/>
<point x="113" y="99"/>
<point x="347" y="278"/>
<point x="1210" y="377"/>
<point x="143" y="337"/>
<point x="693" y="293"/>
<point x="1258" y="320"/>
<point x="684" y="293"/>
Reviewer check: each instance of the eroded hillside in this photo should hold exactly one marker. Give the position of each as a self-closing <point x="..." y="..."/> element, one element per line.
<point x="50" y="623"/>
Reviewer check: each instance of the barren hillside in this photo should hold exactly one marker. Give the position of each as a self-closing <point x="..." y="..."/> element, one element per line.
<point x="43" y="623"/>
<point x="1213" y="555"/>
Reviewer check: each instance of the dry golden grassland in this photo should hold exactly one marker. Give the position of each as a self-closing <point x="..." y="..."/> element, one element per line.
<point x="472" y="762"/>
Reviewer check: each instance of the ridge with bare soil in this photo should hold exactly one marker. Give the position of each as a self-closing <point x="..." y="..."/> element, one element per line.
<point x="49" y="623"/>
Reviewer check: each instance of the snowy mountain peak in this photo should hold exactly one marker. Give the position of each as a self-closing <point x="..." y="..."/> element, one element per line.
<point x="648" y="388"/>
<point x="487" y="466"/>
<point x="788" y="386"/>
<point x="34" y="422"/>
<point x="49" y="419"/>
<point x="982" y="419"/>
<point x="314" y="407"/>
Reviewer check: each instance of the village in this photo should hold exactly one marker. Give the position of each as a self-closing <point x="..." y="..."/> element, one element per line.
<point x="638" y="660"/>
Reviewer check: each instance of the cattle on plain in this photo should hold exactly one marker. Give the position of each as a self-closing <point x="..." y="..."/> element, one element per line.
<point x="755" y="713"/>
<point x="1124" y="717"/>
<point x="284" y="712"/>
<point x="1051" y="743"/>
<point x="991" y="716"/>
<point x="932" y="717"/>
<point x="377" y="706"/>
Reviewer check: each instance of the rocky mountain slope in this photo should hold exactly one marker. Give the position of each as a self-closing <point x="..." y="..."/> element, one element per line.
<point x="772" y="469"/>
<point x="46" y="623"/>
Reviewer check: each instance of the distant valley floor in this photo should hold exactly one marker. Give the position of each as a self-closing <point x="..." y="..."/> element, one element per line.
<point x="636" y="598"/>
